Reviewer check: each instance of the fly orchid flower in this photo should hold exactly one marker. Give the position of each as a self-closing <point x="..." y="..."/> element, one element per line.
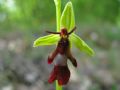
<point x="63" y="38"/>
<point x="60" y="55"/>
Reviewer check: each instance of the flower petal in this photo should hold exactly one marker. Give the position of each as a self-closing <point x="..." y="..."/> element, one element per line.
<point x="46" y="40"/>
<point x="67" y="18"/>
<point x="63" y="75"/>
<point x="60" y="73"/>
<point x="53" y="75"/>
<point x="80" y="44"/>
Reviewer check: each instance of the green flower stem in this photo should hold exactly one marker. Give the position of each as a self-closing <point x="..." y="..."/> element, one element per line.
<point x="58" y="13"/>
<point x="58" y="16"/>
<point x="58" y="87"/>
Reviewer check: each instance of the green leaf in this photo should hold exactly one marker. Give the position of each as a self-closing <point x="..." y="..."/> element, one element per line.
<point x="80" y="44"/>
<point x="67" y="18"/>
<point x="46" y="40"/>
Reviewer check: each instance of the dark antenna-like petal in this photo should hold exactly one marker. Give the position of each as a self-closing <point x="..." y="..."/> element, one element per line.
<point x="72" y="30"/>
<point x="53" y="32"/>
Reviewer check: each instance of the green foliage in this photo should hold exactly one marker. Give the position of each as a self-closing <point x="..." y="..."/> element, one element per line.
<point x="33" y="13"/>
<point x="92" y="10"/>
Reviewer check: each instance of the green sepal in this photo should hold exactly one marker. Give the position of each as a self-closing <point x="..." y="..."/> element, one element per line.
<point x="46" y="40"/>
<point x="81" y="45"/>
<point x="67" y="18"/>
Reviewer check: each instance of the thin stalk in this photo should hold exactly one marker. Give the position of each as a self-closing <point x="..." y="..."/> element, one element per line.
<point x="58" y="16"/>
<point x="58" y="87"/>
<point x="58" y="13"/>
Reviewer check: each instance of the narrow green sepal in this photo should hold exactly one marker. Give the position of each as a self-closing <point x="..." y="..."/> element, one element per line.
<point x="46" y="40"/>
<point x="67" y="18"/>
<point x="81" y="45"/>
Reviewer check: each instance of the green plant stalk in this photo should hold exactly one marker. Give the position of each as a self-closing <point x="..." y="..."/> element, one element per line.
<point x="58" y="13"/>
<point x="58" y="16"/>
<point x="58" y="87"/>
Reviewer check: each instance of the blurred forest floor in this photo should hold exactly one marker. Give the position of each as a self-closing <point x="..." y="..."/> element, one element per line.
<point x="23" y="67"/>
